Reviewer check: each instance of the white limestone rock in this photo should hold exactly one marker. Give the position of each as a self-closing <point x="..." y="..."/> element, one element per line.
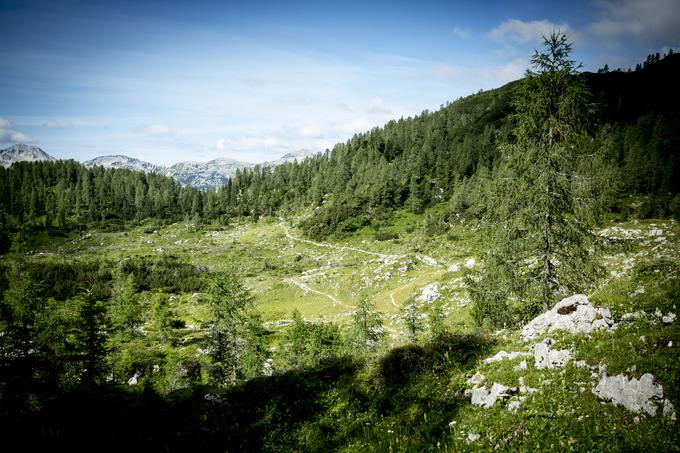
<point x="481" y="396"/>
<point x="505" y="355"/>
<point x="573" y="314"/>
<point x="547" y="358"/>
<point x="636" y="395"/>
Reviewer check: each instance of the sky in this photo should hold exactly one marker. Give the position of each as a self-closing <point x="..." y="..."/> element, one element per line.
<point x="168" y="81"/>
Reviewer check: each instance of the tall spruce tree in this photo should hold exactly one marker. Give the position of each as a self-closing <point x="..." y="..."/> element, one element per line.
<point x="545" y="197"/>
<point x="236" y="336"/>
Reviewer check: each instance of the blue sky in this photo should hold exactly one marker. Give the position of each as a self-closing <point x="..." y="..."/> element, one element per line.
<point x="167" y="81"/>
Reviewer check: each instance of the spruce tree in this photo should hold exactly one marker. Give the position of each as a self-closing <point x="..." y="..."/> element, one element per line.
<point x="236" y="348"/>
<point x="545" y="196"/>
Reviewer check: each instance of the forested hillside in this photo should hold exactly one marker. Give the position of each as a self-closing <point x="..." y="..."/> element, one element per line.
<point x="366" y="298"/>
<point x="447" y="155"/>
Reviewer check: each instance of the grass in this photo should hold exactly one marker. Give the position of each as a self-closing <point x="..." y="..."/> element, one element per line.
<point x="409" y="397"/>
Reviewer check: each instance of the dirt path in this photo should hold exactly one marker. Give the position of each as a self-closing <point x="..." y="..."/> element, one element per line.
<point x="306" y="289"/>
<point x="383" y="256"/>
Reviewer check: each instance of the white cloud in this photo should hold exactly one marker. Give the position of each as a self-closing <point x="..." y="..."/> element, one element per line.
<point x="496" y="74"/>
<point x="462" y="33"/>
<point x="58" y="124"/>
<point x="8" y="133"/>
<point x="444" y="71"/>
<point x="651" y="21"/>
<point x="520" y="32"/>
<point x="377" y="105"/>
<point x="220" y="143"/>
<point x="353" y="126"/>
<point x="155" y="129"/>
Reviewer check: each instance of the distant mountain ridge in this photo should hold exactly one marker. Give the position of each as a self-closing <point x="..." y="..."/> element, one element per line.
<point x="120" y="161"/>
<point x="22" y="153"/>
<point x="202" y="175"/>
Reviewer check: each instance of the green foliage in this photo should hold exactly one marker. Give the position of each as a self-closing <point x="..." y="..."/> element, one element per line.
<point x="411" y="314"/>
<point x="162" y="317"/>
<point x="125" y="310"/>
<point x="307" y="344"/>
<point x="542" y="213"/>
<point x="367" y="324"/>
<point x="236" y="335"/>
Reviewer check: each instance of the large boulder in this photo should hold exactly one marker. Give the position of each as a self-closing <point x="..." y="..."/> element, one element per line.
<point x="573" y="314"/>
<point x="636" y="395"/>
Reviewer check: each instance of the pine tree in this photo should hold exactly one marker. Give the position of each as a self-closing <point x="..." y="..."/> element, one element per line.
<point x="543" y="206"/>
<point x="237" y="350"/>
<point x="411" y="315"/>
<point x="367" y="324"/>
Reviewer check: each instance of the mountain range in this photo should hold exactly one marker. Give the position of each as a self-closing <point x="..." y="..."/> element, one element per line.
<point x="202" y="175"/>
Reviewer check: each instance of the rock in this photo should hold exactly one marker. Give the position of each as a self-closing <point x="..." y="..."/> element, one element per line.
<point x="470" y="263"/>
<point x="428" y="260"/>
<point x="669" y="318"/>
<point x="636" y="395"/>
<point x="521" y="366"/>
<point x="640" y="290"/>
<point x="429" y="293"/>
<point x="669" y="410"/>
<point x="513" y="406"/>
<point x="472" y="438"/>
<point x="523" y="388"/>
<point x="477" y="379"/>
<point x="505" y="355"/>
<point x="545" y="357"/>
<point x="134" y="378"/>
<point x="453" y="268"/>
<point x="574" y="314"/>
<point x="481" y="396"/>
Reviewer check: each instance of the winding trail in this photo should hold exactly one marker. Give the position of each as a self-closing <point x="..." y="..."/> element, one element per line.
<point x="383" y="256"/>
<point x="306" y="289"/>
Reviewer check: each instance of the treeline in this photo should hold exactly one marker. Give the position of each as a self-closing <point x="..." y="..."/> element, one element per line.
<point x="451" y="154"/>
<point x="65" y="193"/>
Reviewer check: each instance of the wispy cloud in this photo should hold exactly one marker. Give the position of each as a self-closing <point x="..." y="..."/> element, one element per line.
<point x="155" y="129"/>
<point x="377" y="105"/>
<point x="515" y="31"/>
<point x="58" y="124"/>
<point x="462" y="33"/>
<point x="650" y="21"/>
<point x="8" y="133"/>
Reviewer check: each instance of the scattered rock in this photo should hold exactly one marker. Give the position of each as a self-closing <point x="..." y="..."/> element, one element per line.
<point x="429" y="293"/>
<point x="481" y="396"/>
<point x="428" y="260"/>
<point x="470" y="262"/>
<point x="472" y="438"/>
<point x="513" y="406"/>
<point x="505" y="355"/>
<point x="545" y="357"/>
<point x="669" y="318"/>
<point x="636" y="395"/>
<point x="639" y="290"/>
<point x="134" y="378"/>
<point x="523" y="388"/>
<point x="521" y="366"/>
<point x="574" y="314"/>
<point x="454" y="268"/>
<point x="477" y="379"/>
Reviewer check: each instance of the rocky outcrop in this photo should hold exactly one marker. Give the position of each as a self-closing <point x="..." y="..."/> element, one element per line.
<point x="636" y="395"/>
<point x="573" y="314"/>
